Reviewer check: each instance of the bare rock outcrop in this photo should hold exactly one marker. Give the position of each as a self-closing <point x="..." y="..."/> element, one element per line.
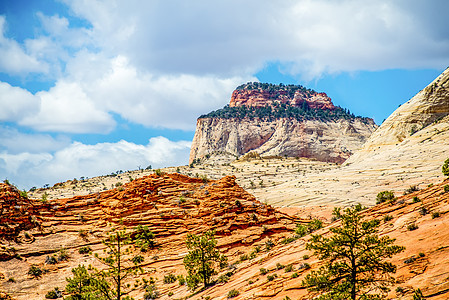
<point x="413" y="124"/>
<point x="16" y="212"/>
<point x="278" y="120"/>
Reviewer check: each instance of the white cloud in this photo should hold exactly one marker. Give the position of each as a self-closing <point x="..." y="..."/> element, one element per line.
<point x="14" y="142"/>
<point x="164" y="63"/>
<point x="158" y="101"/>
<point x="76" y="160"/>
<point x="13" y="58"/>
<point x="16" y="103"/>
<point x="66" y="108"/>
<point x="234" y="37"/>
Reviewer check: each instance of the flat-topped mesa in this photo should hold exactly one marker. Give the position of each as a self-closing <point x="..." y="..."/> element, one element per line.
<point x="280" y="120"/>
<point x="264" y="94"/>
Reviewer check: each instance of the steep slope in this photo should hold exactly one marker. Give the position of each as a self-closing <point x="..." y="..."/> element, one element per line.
<point x="171" y="205"/>
<point x="422" y="119"/>
<point x="278" y="120"/>
<point x="422" y="265"/>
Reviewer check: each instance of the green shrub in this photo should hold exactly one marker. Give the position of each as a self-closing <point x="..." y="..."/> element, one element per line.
<point x="62" y="255"/>
<point x="412" y="226"/>
<point x="44" y="198"/>
<point x="288" y="240"/>
<point x="223" y="278"/>
<point x="289" y="268"/>
<point x="384" y="196"/>
<point x="388" y="218"/>
<point x="169" y="278"/>
<point x="279" y="266"/>
<point x="417" y="295"/>
<point x="421" y="254"/>
<point x="151" y="292"/>
<point x="138" y="259"/>
<point x="435" y="214"/>
<point x="35" y="271"/>
<point x="423" y="211"/>
<point x="315" y="224"/>
<point x="411" y="189"/>
<point x="51" y="260"/>
<point x="305" y="257"/>
<point x="269" y="244"/>
<point x="144" y="238"/>
<point x="158" y="172"/>
<point x="244" y="257"/>
<point x="181" y="279"/>
<point x="263" y="271"/>
<point x="271" y="277"/>
<point x="54" y="294"/>
<point x="233" y="293"/>
<point x="445" y="167"/>
<point x="295" y="275"/>
<point x="416" y="199"/>
<point x="85" y="250"/>
<point x="301" y="230"/>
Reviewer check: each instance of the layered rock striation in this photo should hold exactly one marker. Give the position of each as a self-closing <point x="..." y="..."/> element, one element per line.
<point x="280" y="120"/>
<point x="171" y="205"/>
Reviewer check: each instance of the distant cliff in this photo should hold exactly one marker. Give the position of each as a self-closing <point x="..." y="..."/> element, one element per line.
<point x="284" y="120"/>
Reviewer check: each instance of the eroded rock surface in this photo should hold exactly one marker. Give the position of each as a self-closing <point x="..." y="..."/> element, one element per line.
<point x="171" y="205"/>
<point x="281" y="121"/>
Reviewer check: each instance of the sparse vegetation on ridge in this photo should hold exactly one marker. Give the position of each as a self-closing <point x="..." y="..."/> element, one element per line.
<point x="282" y="110"/>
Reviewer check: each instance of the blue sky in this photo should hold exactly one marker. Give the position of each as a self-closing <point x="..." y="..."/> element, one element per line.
<point x="91" y="87"/>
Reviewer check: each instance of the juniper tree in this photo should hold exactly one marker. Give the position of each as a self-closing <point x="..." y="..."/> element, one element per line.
<point x="355" y="265"/>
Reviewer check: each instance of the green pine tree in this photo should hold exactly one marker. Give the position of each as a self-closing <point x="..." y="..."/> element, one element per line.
<point x="202" y="259"/>
<point x="354" y="256"/>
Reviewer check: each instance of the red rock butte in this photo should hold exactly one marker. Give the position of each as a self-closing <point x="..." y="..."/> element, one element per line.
<point x="262" y="97"/>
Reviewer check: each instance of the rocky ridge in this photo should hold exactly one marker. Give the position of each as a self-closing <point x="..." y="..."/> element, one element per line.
<point x="172" y="205"/>
<point x="280" y="121"/>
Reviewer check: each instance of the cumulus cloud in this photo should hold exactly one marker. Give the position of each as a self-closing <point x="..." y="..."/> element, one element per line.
<point x="16" y="103"/>
<point x="13" y="57"/>
<point x="66" y="108"/>
<point x="76" y="160"/>
<point x="233" y="37"/>
<point x="155" y="101"/>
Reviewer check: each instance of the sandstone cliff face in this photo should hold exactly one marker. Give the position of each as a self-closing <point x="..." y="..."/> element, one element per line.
<point x="302" y="123"/>
<point x="331" y="141"/>
<point x="420" y="125"/>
